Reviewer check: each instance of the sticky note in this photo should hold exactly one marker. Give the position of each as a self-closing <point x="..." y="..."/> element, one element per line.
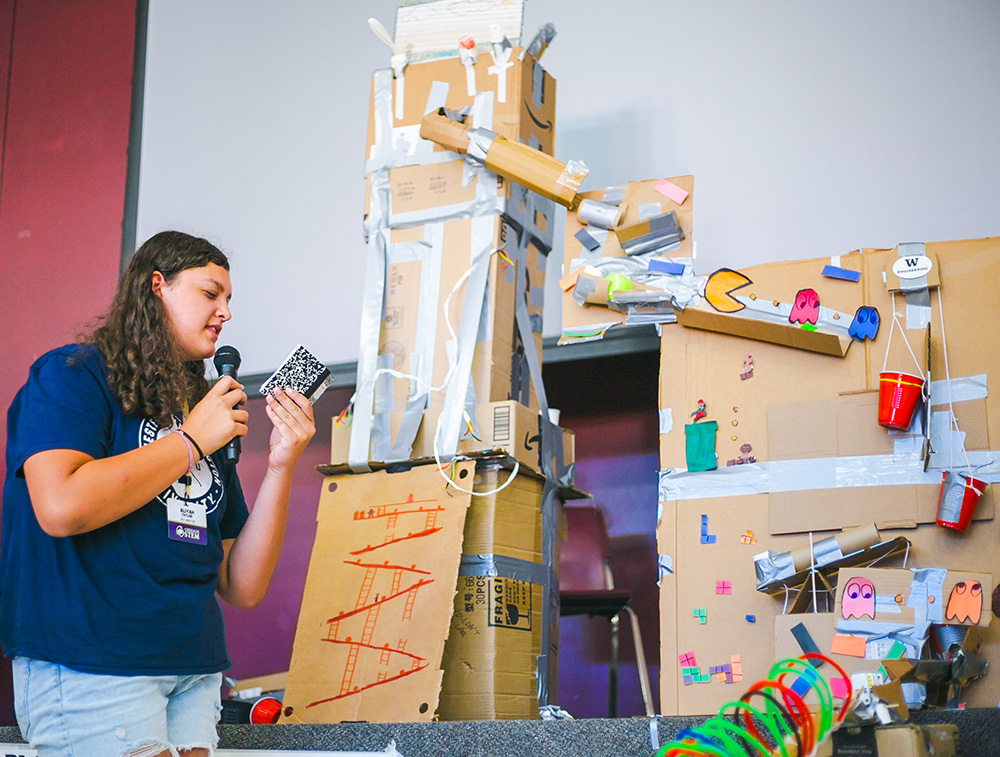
<point x="569" y="281"/>
<point x="840" y="687"/>
<point x="850" y="646"/>
<point x="687" y="659"/>
<point x="671" y="191"/>
<point x="834" y="272"/>
<point x="659" y="265"/>
<point x="723" y="587"/>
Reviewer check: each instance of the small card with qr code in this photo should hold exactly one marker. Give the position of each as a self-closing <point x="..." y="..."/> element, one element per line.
<point x="301" y="371"/>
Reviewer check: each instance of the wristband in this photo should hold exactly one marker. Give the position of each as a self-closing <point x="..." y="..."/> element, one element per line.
<point x="201" y="455"/>
<point x="187" y="446"/>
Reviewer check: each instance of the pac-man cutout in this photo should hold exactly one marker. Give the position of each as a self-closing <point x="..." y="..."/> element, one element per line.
<point x="966" y="603"/>
<point x="720" y="287"/>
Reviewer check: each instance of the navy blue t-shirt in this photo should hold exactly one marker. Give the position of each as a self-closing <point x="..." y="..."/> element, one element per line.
<point x="122" y="599"/>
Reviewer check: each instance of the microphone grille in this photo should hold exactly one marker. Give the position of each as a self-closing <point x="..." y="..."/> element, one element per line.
<point x="226" y="355"/>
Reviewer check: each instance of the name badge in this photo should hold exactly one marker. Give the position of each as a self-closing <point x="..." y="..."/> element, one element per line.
<point x="187" y="514"/>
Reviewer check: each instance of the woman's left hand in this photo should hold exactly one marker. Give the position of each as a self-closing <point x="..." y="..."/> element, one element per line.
<point x="292" y="416"/>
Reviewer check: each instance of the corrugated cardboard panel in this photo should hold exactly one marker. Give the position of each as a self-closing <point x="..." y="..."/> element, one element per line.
<point x="378" y="598"/>
<point x="491" y="657"/>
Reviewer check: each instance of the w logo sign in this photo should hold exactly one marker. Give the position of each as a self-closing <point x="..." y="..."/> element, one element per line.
<point x="912" y="267"/>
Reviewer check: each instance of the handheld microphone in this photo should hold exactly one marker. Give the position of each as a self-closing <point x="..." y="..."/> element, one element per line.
<point x="227" y="362"/>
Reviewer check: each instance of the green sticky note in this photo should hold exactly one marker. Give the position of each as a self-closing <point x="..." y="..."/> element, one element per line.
<point x="699" y="446"/>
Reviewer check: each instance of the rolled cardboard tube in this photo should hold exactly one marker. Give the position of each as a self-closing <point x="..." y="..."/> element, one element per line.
<point x="850" y="540"/>
<point x="525" y="165"/>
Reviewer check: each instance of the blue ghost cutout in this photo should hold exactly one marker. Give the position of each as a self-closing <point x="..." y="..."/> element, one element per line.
<point x="865" y="324"/>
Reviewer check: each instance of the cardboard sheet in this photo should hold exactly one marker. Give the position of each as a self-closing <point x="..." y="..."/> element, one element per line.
<point x="378" y="598"/>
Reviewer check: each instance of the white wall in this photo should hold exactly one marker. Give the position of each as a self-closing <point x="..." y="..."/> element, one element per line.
<point x="812" y="128"/>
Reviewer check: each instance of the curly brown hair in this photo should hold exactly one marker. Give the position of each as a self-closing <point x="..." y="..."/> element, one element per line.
<point x="146" y="370"/>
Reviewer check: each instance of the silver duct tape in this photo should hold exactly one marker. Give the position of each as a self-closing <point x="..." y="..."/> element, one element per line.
<point x="613" y="195"/>
<point x="382" y="113"/>
<point x="599" y="214"/>
<point x="380" y="436"/>
<point x="537" y="85"/>
<point x="413" y="415"/>
<point x="536" y="296"/>
<point x="583" y="289"/>
<point x="649" y="210"/>
<point x="485" y="203"/>
<point x="960" y="389"/>
<point x="371" y="323"/>
<point x="911" y="250"/>
<point x="480" y="141"/>
<point x="383" y="400"/>
<point x="945" y="440"/>
<point x="446" y="437"/>
<point x="436" y="97"/>
<point x="543" y="37"/>
<point x="505" y="567"/>
<point x="918" y="310"/>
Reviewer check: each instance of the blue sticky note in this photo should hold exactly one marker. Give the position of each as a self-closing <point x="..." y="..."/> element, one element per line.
<point x="659" y="265"/>
<point x="833" y="272"/>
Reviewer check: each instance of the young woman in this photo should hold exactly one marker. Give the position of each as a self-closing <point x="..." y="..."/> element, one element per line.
<point x="121" y="519"/>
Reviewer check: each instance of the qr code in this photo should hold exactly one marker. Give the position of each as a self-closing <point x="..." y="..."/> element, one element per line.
<point x="301" y="371"/>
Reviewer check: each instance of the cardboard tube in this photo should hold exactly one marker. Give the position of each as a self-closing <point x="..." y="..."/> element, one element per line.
<point x="525" y="165"/>
<point x="850" y="540"/>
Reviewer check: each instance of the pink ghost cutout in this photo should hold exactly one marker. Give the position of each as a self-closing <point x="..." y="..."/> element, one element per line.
<point x="805" y="309"/>
<point x="859" y="599"/>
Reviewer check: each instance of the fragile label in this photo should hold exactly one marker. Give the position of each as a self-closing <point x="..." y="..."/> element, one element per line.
<point x="510" y="603"/>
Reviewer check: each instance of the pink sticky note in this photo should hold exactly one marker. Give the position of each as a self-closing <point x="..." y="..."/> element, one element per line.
<point x="840" y="687"/>
<point x="671" y="191"/>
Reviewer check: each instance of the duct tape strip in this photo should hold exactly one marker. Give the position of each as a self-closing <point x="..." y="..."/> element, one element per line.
<point x="481" y="245"/>
<point x="664" y="565"/>
<point x="613" y="195"/>
<point x="918" y="300"/>
<point x="480" y="141"/>
<point x="815" y="473"/>
<point x="537" y="84"/>
<point x="666" y="420"/>
<point x="959" y="390"/>
<point x="504" y="567"/>
<point x="372" y="301"/>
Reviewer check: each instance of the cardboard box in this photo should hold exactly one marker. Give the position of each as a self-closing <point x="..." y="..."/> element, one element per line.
<point x="526" y="115"/>
<point x="892" y="741"/>
<point x="378" y="597"/>
<point x="505" y="427"/>
<point x="492" y="651"/>
<point x="638" y="195"/>
<point x="423" y="273"/>
<point x="822" y="401"/>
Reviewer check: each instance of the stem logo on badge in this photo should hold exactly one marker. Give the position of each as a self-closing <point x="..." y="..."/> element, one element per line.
<point x="203" y="490"/>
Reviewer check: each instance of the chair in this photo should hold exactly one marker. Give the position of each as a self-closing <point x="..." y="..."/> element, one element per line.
<point x="587" y="587"/>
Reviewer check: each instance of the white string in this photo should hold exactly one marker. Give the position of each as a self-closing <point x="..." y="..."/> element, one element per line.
<point x="953" y="423"/>
<point x="452" y="364"/>
<point x="895" y="322"/>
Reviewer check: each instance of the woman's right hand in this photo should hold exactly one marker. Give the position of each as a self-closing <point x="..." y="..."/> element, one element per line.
<point x="219" y="416"/>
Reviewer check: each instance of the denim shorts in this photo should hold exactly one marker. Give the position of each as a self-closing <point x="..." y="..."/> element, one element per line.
<point x="65" y="712"/>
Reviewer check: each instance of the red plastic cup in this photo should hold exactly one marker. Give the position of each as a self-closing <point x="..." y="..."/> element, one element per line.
<point x="265" y="711"/>
<point x="898" y="394"/>
<point x="958" y="499"/>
